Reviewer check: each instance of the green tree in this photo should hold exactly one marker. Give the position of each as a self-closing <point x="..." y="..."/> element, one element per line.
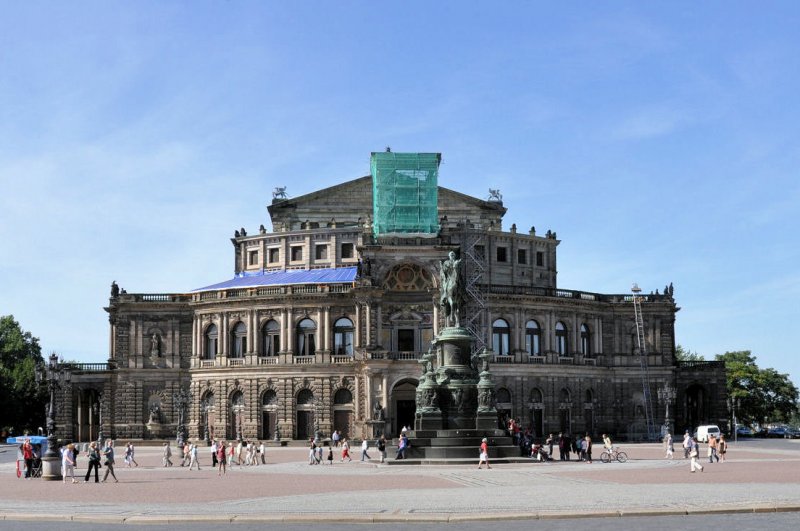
<point x="22" y="398"/>
<point x="682" y="354"/>
<point x="759" y="393"/>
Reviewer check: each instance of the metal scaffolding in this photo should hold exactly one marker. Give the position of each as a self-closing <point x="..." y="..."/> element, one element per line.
<point x="642" y="344"/>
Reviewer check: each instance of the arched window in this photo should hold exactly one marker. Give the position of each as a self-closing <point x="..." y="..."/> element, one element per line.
<point x="565" y="395"/>
<point x="305" y="397"/>
<point x="306" y="338"/>
<point x="211" y="342"/>
<point x="588" y="396"/>
<point x="536" y="396"/>
<point x="561" y="339"/>
<point x="533" y="338"/>
<point x="342" y="397"/>
<point x="270" y="338"/>
<point x="269" y="398"/>
<point x="503" y="396"/>
<point x="238" y="340"/>
<point x="343" y="337"/>
<point x="586" y="341"/>
<point x="500" y="337"/>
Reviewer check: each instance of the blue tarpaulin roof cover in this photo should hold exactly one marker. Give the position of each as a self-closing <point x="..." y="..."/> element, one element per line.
<point x="336" y="275"/>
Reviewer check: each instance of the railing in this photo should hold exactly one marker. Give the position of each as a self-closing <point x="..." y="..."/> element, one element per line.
<point x="376" y="355"/>
<point x="207" y="363"/>
<point x="700" y="364"/>
<point x="235" y="362"/>
<point x="153" y="297"/>
<point x="306" y="289"/>
<point x="232" y="293"/>
<point x="269" y="360"/>
<point x="303" y="360"/>
<point x="590" y="361"/>
<point x="90" y="367"/>
<point x="503" y="359"/>
<point x="537" y="360"/>
<point x="342" y="359"/>
<point x="566" y="360"/>
<point x="568" y="294"/>
<point x="405" y="355"/>
<point x="208" y="295"/>
<point x="280" y="290"/>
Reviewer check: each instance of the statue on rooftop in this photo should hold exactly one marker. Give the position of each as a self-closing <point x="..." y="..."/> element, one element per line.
<point x="114" y="289"/>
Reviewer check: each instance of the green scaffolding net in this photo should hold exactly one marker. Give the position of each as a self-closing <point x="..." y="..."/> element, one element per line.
<point x="405" y="192"/>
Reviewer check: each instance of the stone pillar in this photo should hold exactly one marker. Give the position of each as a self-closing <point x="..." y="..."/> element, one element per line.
<point x="385" y="391"/>
<point x="368" y="323"/>
<point x="357" y="331"/>
<point x="326" y="338"/>
<point x="379" y="327"/>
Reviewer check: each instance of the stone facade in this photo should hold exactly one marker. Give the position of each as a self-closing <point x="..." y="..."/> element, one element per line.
<point x="300" y="357"/>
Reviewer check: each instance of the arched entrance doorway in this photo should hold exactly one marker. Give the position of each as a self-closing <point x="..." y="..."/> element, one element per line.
<point x="269" y="414"/>
<point x="695" y="406"/>
<point x="208" y="419"/>
<point x="537" y="412"/>
<point x="343" y="411"/>
<point x="236" y="416"/>
<point x="305" y="414"/>
<point x="404" y="404"/>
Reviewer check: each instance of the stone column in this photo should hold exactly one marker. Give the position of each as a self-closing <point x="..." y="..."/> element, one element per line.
<point x="385" y="391"/>
<point x="357" y="331"/>
<point x="368" y="323"/>
<point x="435" y="316"/>
<point x="379" y="325"/>
<point x="322" y="326"/>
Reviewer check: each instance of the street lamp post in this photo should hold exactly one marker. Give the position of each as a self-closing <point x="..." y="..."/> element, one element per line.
<point x="667" y="394"/>
<point x="181" y="401"/>
<point x="101" y="440"/>
<point x="54" y="373"/>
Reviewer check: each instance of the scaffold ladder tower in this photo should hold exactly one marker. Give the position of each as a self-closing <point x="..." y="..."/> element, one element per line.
<point x="474" y="267"/>
<point x="642" y="344"/>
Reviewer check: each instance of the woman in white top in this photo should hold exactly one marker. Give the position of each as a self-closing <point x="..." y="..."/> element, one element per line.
<point x="68" y="462"/>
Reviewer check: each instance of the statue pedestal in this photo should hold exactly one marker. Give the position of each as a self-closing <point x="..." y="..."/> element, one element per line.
<point x="377" y="427"/>
<point x="155" y="430"/>
<point x="51" y="469"/>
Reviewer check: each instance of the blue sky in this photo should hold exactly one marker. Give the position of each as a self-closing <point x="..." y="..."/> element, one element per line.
<point x="659" y="139"/>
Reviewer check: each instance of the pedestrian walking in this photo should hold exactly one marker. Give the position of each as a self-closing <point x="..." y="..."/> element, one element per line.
<point x="550" y="442"/>
<point x="221" y="459"/>
<point x="382" y="448"/>
<point x="712" y="449"/>
<point x="694" y="453"/>
<point x="484" y="454"/>
<point x="401" y="447"/>
<point x="166" y="460"/>
<point x="687" y="445"/>
<point x="346" y="450"/>
<point x="129" y="455"/>
<point x="312" y="452"/>
<point x="335" y="438"/>
<point x="185" y="449"/>
<point x="722" y="448"/>
<point x="94" y="463"/>
<point x="108" y="453"/>
<point x="587" y="445"/>
<point x="262" y="452"/>
<point x="68" y="462"/>
<point x="330" y="455"/>
<point x="669" y="447"/>
<point x="214" y="448"/>
<point x="193" y="456"/>
<point x="27" y="455"/>
<point x="364" y="448"/>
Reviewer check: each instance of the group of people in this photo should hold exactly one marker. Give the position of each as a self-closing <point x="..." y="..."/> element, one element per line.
<point x="95" y="455"/>
<point x="716" y="449"/>
<point x="315" y="449"/>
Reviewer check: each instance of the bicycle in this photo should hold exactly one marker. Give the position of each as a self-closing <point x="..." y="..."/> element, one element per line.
<point x="614" y="454"/>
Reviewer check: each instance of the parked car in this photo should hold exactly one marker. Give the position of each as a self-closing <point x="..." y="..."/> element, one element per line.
<point x="778" y="432"/>
<point x="792" y="433"/>
<point x="744" y="431"/>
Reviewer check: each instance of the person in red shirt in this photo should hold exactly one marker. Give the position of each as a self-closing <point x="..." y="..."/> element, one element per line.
<point x="27" y="454"/>
<point x="484" y="454"/>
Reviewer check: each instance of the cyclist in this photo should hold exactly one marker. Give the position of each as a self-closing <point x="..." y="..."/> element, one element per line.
<point x="607" y="444"/>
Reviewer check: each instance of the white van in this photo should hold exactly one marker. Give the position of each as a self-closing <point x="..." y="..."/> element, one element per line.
<point x="703" y="433"/>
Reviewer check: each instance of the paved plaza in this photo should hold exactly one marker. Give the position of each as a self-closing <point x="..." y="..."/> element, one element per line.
<point x="759" y="476"/>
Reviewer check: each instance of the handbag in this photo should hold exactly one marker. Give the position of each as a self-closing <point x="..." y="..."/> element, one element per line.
<point x="693" y="453"/>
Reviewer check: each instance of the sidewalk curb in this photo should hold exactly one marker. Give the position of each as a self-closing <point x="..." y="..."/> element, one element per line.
<point x="376" y="518"/>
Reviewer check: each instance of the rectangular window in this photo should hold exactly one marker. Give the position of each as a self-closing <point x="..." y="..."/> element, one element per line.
<point x="405" y="340"/>
<point x="522" y="257"/>
<point x="252" y="258"/>
<point x="297" y="254"/>
<point x="348" y="250"/>
<point x="321" y="252"/>
<point x="501" y="254"/>
<point x="540" y="258"/>
<point x="274" y="255"/>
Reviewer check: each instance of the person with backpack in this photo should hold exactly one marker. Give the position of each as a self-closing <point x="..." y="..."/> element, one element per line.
<point x="382" y="447"/>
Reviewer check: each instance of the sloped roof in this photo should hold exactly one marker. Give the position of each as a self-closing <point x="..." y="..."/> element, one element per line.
<point x="338" y="275"/>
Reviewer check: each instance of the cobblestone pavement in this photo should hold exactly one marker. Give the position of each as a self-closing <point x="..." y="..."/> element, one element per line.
<point x="758" y="476"/>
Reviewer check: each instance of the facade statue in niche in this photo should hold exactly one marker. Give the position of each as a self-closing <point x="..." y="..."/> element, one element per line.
<point x="155" y="345"/>
<point x="155" y="413"/>
<point x="452" y="286"/>
<point x="378" y="412"/>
